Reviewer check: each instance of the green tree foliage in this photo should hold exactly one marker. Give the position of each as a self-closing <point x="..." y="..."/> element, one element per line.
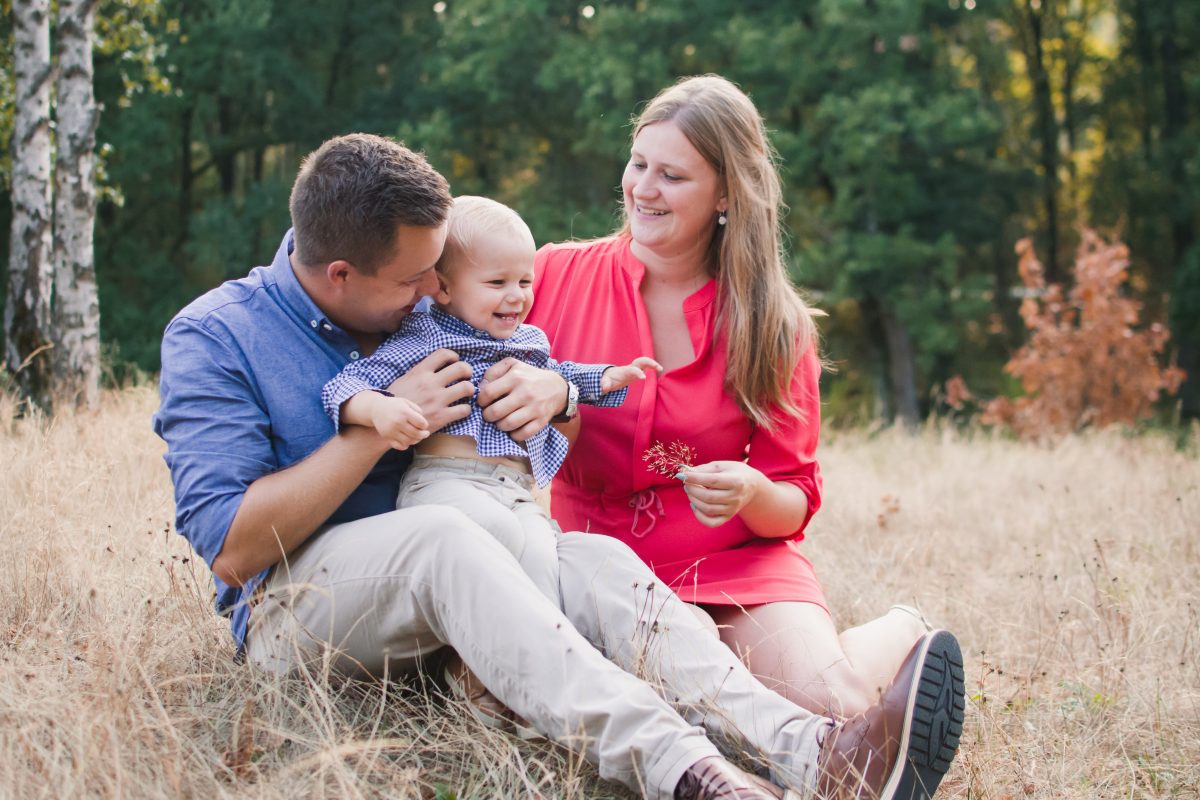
<point x="1146" y="183"/>
<point x="909" y="134"/>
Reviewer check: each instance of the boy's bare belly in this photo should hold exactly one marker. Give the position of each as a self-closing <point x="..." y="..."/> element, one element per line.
<point x="448" y="445"/>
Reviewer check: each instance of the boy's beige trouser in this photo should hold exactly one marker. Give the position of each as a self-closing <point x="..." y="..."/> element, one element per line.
<point x="385" y="591"/>
<point x="499" y="500"/>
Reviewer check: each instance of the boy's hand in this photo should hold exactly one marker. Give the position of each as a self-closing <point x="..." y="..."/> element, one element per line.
<point x="619" y="377"/>
<point x="397" y="420"/>
<point x="400" y="422"/>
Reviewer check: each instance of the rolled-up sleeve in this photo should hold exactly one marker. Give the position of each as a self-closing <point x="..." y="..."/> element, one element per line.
<point x="216" y="429"/>
<point x="787" y="452"/>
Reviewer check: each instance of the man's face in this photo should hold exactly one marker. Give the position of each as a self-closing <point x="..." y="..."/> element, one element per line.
<point x="375" y="305"/>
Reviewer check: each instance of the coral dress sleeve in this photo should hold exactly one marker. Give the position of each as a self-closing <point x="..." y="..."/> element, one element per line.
<point x="787" y="452"/>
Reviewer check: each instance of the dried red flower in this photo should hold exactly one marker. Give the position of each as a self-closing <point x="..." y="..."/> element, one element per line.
<point x="669" y="459"/>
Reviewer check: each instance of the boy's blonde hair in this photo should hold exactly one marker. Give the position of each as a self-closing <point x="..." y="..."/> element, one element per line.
<point x="471" y="216"/>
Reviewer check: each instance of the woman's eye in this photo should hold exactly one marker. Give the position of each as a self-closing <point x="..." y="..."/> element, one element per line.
<point x="668" y="176"/>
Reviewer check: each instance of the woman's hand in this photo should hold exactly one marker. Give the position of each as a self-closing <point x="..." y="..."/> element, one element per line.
<point x="721" y="489"/>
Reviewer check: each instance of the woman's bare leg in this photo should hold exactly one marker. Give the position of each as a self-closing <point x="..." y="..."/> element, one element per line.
<point x="794" y="649"/>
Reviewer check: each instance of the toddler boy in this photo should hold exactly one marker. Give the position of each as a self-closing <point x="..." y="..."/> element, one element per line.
<point x="485" y="278"/>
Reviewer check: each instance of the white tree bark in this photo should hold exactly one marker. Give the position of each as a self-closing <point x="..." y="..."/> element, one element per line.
<point x="76" y="302"/>
<point x="27" y="322"/>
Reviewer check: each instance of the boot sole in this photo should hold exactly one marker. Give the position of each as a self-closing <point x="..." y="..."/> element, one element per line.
<point x="935" y="711"/>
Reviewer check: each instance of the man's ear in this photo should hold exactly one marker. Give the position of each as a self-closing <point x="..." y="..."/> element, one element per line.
<point x="336" y="272"/>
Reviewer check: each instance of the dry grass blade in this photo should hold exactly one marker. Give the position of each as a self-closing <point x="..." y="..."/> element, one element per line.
<point x="1071" y="574"/>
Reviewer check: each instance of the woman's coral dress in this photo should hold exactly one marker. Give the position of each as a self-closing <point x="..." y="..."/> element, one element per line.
<point x="587" y="301"/>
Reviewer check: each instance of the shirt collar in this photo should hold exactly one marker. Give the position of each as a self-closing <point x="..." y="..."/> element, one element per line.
<point x="636" y="270"/>
<point x="293" y="293"/>
<point x="452" y="324"/>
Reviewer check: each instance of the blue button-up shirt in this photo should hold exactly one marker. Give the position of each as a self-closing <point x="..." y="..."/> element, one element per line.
<point x="242" y="372"/>
<point x="423" y="332"/>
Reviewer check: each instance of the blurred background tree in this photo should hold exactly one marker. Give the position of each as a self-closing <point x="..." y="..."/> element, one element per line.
<point x="919" y="140"/>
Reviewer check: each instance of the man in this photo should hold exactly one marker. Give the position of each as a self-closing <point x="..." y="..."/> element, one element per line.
<point x="309" y="555"/>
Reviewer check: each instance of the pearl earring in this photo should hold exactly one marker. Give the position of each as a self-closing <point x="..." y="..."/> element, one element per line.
<point x="721" y="218"/>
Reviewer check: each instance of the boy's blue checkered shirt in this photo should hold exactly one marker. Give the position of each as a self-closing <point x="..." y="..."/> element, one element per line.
<point x="423" y="332"/>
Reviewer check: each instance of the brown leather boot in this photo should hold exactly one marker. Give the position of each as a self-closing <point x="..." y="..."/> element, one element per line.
<point x="901" y="748"/>
<point x="714" y="778"/>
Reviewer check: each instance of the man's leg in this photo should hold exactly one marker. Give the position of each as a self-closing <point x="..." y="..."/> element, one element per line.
<point x="618" y="604"/>
<point x="898" y="749"/>
<point x="386" y="590"/>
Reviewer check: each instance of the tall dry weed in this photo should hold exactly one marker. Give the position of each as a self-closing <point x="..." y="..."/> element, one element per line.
<point x="1070" y="573"/>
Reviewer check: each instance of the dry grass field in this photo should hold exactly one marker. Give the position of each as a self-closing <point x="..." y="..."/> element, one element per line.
<point x="1070" y="573"/>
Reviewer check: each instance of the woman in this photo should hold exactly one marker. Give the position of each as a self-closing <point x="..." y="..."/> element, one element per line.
<point x="696" y="278"/>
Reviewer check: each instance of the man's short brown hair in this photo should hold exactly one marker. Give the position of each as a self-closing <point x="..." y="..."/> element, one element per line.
<point x="352" y="193"/>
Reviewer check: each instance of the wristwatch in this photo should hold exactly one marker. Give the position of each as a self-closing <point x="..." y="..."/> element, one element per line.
<point x="572" y="410"/>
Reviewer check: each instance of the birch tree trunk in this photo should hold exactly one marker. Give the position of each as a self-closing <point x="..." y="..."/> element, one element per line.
<point x="76" y="302"/>
<point x="27" y="321"/>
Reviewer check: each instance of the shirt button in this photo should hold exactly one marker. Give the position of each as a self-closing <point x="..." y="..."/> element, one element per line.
<point x="353" y="355"/>
<point x="326" y="327"/>
<point x="312" y="322"/>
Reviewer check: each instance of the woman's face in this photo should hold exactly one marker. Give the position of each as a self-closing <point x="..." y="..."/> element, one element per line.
<point x="672" y="194"/>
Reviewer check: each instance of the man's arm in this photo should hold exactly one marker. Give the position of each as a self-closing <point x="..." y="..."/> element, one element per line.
<point x="240" y="512"/>
<point x="281" y="510"/>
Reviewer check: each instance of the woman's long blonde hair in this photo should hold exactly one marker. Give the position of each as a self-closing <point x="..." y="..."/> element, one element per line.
<point x="768" y="326"/>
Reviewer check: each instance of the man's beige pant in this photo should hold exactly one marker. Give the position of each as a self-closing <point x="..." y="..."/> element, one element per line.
<point x="385" y="591"/>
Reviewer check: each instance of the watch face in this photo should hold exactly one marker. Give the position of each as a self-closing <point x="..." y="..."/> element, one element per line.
<point x="572" y="400"/>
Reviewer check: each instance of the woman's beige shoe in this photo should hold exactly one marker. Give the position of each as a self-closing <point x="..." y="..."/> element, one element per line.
<point x="484" y="705"/>
<point x="916" y="612"/>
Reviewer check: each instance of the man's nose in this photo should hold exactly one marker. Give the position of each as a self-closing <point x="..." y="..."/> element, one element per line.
<point x="429" y="286"/>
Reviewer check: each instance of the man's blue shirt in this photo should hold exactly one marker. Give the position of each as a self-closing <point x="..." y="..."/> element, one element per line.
<point x="242" y="372"/>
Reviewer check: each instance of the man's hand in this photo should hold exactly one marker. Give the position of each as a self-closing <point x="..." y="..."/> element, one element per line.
<point x="520" y="399"/>
<point x="435" y="384"/>
<point x="619" y="377"/>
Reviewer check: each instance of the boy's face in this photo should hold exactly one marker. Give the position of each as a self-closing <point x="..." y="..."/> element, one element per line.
<point x="490" y="287"/>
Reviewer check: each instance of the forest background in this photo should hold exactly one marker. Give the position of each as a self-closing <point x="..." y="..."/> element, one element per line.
<point x="919" y="142"/>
